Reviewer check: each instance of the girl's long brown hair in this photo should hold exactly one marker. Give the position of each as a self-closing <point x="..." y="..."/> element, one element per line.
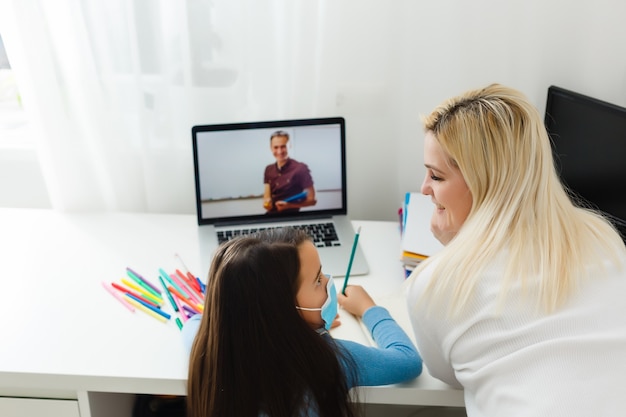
<point x="253" y="353"/>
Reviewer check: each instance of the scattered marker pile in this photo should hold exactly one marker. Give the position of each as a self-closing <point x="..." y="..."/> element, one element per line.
<point x="184" y="292"/>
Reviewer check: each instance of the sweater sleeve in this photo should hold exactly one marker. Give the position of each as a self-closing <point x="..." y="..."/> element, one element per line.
<point x="394" y="360"/>
<point x="189" y="331"/>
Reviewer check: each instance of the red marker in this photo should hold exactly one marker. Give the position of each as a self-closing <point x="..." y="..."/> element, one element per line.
<point x="134" y="294"/>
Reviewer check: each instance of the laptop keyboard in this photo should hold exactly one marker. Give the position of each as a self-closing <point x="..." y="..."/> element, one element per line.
<point x="323" y="234"/>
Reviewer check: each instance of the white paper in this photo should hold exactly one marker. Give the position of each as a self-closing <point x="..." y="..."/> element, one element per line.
<point x="417" y="237"/>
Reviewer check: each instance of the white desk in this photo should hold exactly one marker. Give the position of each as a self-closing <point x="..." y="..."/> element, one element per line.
<point x="65" y="338"/>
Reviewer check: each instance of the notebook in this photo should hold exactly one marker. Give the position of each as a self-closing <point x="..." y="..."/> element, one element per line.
<point x="230" y="161"/>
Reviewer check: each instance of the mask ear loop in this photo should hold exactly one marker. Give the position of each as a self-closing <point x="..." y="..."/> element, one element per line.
<point x="308" y="309"/>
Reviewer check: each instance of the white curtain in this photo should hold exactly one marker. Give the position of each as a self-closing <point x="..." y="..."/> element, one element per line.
<point x="113" y="87"/>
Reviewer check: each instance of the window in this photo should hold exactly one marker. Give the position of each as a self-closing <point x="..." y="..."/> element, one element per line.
<point x="14" y="125"/>
<point x="21" y="180"/>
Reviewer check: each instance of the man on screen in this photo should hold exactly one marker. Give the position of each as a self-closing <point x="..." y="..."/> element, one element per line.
<point x="288" y="183"/>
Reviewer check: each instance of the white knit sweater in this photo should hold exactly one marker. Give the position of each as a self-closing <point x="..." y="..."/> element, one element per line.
<point x="520" y="362"/>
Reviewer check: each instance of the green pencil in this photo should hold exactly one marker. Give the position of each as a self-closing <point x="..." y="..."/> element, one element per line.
<point x="356" y="240"/>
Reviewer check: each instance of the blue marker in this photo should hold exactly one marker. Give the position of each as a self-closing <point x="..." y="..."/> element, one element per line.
<point x="156" y="310"/>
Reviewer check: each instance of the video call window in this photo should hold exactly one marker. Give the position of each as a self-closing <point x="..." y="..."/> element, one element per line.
<point x="230" y="166"/>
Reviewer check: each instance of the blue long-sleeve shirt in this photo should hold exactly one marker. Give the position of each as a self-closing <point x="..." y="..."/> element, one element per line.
<point x="394" y="360"/>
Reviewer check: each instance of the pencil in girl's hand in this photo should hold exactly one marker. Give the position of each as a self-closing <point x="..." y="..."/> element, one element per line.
<point x="354" y="245"/>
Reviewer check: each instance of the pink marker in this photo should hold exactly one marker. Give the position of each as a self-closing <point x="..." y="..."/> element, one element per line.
<point x="193" y="296"/>
<point x="118" y="296"/>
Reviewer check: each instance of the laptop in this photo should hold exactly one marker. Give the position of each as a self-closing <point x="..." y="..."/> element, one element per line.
<point x="230" y="162"/>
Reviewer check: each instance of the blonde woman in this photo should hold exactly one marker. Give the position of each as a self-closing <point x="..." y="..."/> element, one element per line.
<point x="525" y="307"/>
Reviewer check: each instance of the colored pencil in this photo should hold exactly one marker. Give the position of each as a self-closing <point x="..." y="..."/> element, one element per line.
<point x="354" y="245"/>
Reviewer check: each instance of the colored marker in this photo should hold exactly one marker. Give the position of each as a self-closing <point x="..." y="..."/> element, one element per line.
<point x="141" y="293"/>
<point x="185" y="278"/>
<point x="193" y="295"/>
<point x="356" y="240"/>
<point x="151" y="285"/>
<point x="142" y="289"/>
<point x="179" y="295"/>
<point x="143" y="284"/>
<point x="169" y="296"/>
<point x="181" y="275"/>
<point x="202" y="286"/>
<point x="136" y="294"/>
<point x="156" y="310"/>
<point x="196" y="307"/>
<point x="190" y="311"/>
<point x="175" y="285"/>
<point x="118" y="296"/>
<point x="194" y="280"/>
<point x="181" y="262"/>
<point x="145" y="309"/>
<point x="181" y="311"/>
<point x="179" y="324"/>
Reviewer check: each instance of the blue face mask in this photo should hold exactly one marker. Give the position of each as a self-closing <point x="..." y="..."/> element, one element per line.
<point x="329" y="308"/>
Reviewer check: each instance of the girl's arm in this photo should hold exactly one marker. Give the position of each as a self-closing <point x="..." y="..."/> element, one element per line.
<point x="394" y="360"/>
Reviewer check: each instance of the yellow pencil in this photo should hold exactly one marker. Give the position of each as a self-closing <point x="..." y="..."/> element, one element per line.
<point x="142" y="291"/>
<point x="146" y="310"/>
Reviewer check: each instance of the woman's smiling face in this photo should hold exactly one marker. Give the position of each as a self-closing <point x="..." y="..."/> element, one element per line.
<point x="448" y="191"/>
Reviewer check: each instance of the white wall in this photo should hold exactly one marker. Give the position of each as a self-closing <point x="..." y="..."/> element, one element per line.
<point x="382" y="64"/>
<point x="528" y="45"/>
<point x="21" y="180"/>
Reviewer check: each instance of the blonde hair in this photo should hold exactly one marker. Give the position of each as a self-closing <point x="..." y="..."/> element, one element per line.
<point x="497" y="139"/>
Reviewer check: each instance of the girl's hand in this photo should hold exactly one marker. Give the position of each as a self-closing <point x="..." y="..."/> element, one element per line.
<point x="356" y="301"/>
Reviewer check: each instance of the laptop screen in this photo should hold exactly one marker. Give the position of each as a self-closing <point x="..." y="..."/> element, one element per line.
<point x="230" y="163"/>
